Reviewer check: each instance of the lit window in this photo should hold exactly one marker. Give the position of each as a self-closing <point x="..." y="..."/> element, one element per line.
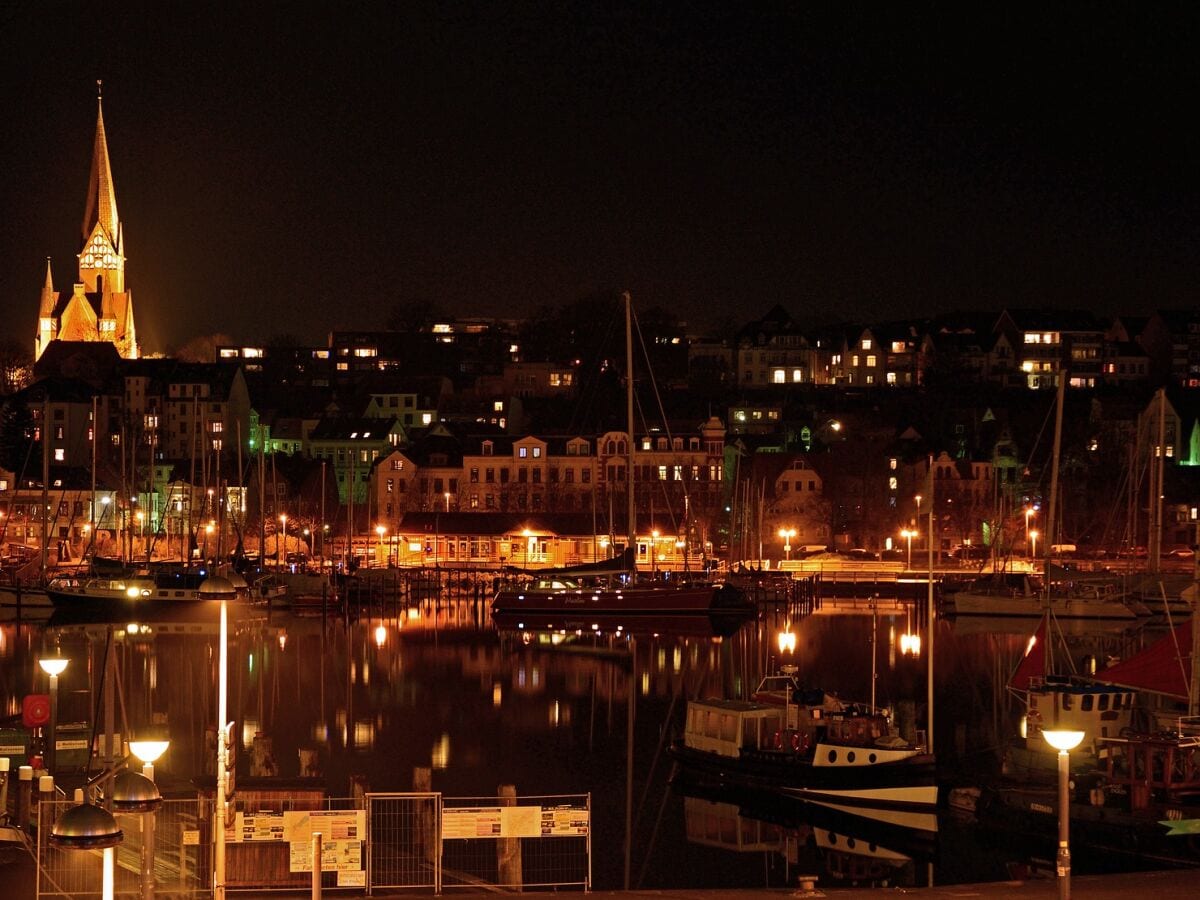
<point x="898" y="346"/>
<point x="779" y="376"/>
<point x="523" y="452"/>
<point x="871" y="361"/>
<point x="797" y="375"/>
<point x="537" y="452"/>
<point x="365" y="352"/>
<point x="426" y="418"/>
<point x="854" y="360"/>
<point x="662" y="473"/>
<point x="498" y="406"/>
<point x="60" y="455"/>
<point x="893" y="483"/>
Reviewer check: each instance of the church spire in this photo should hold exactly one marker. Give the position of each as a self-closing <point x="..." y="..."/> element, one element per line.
<point x="102" y="198"/>
<point x="49" y="298"/>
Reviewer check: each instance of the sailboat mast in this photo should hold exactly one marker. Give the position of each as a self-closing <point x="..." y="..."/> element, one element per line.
<point x="1052" y="518"/>
<point x="1159" y="460"/>
<point x="629" y="500"/>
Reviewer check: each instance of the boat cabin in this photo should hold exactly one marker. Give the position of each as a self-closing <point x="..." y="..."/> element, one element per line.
<point x="1098" y="710"/>
<point x="727" y="727"/>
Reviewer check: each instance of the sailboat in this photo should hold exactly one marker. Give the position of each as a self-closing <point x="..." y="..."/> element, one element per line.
<point x="614" y="586"/>
<point x="1067" y="593"/>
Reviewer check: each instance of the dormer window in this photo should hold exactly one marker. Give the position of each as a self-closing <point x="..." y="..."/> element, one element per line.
<point x="487" y="448"/>
<point x="866" y="343"/>
<point x="522" y="452"/>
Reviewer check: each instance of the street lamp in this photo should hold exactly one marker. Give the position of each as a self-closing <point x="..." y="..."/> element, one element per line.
<point x="908" y="534"/>
<point x="90" y="827"/>
<point x="381" y="531"/>
<point x="1033" y="536"/>
<point x="53" y="666"/>
<point x="1064" y="742"/>
<point x="787" y="534"/>
<point x="134" y="792"/>
<point x="217" y="588"/>
<point x="282" y="528"/>
<point x="1028" y="513"/>
<point x="447" y="496"/>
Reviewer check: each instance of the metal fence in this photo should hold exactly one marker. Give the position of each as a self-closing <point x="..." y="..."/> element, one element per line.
<point x="404" y="841"/>
<point x="181" y="866"/>
<point x="518" y="842"/>
<point x="390" y="841"/>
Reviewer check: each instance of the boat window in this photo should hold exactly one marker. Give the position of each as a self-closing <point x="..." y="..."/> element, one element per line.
<point x="728" y="728"/>
<point x="1066" y="701"/>
<point x="1103" y="704"/>
<point x="1085" y="703"/>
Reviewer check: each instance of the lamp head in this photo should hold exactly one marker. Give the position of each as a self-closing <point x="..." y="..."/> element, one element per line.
<point x="53" y="665"/>
<point x="148" y="750"/>
<point x="134" y="792"/>
<point x="1062" y="740"/>
<point x="86" y="827"/>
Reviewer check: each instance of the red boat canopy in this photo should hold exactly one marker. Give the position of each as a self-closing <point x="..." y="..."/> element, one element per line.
<point x="1165" y="667"/>
<point x="1033" y="663"/>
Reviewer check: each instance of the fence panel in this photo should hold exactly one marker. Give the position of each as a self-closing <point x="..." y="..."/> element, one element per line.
<point x="181" y="861"/>
<point x="537" y="842"/>
<point x="403" y="846"/>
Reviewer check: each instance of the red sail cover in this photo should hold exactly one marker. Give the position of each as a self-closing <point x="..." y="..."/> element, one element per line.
<point x="1033" y="663"/>
<point x="1165" y="667"/>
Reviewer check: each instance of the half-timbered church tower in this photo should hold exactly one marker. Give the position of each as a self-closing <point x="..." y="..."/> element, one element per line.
<point x="98" y="307"/>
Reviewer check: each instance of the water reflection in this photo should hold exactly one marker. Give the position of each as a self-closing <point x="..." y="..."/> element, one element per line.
<point x="550" y="706"/>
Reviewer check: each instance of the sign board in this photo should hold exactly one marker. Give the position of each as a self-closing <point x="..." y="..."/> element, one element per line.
<point x="191" y="838"/>
<point x="352" y="879"/>
<point x="334" y="825"/>
<point x="259" y="826"/>
<point x="513" y="822"/>
<point x="336" y="856"/>
<point x="60" y="746"/>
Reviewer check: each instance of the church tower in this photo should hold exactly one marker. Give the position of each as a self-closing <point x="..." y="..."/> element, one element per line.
<point x="99" y="308"/>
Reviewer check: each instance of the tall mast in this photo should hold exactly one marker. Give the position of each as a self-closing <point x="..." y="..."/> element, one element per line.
<point x="1052" y="518"/>
<point x="1159" y="461"/>
<point x="632" y="514"/>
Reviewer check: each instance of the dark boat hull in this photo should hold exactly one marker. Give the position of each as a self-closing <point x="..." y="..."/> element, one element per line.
<point x="907" y="784"/>
<point x="660" y="599"/>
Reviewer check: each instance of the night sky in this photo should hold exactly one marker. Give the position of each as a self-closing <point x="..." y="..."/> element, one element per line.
<point x="290" y="171"/>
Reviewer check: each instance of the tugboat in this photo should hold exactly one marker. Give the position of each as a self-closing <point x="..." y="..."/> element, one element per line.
<point x="806" y="745"/>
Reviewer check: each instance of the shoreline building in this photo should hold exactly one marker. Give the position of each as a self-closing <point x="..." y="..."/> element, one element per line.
<point x="98" y="307"/>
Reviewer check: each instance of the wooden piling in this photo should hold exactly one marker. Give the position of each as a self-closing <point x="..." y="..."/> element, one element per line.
<point x="508" y="849"/>
<point x="422" y="781"/>
<point x="24" y="796"/>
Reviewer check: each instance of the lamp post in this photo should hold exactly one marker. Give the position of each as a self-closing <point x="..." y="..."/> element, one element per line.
<point x="218" y="588"/>
<point x="53" y="666"/>
<point x="447" y="496"/>
<point x="283" y="529"/>
<point x="1028" y="514"/>
<point x="133" y="792"/>
<point x="381" y="531"/>
<point x="787" y="534"/>
<point x="1033" y="536"/>
<point x="908" y="534"/>
<point x="89" y="827"/>
<point x="1064" y="742"/>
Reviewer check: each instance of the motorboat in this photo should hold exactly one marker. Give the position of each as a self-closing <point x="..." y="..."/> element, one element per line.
<point x="805" y="744"/>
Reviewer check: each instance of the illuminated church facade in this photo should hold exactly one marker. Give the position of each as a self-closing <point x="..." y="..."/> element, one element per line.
<point x="98" y="307"/>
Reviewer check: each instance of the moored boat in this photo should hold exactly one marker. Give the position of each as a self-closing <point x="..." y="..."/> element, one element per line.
<point x="134" y="591"/>
<point x="805" y="744"/>
<point x="1067" y="594"/>
<point x="575" y="595"/>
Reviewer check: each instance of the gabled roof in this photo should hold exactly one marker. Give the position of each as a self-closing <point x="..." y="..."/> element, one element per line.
<point x="353" y="429"/>
<point x="1054" y="319"/>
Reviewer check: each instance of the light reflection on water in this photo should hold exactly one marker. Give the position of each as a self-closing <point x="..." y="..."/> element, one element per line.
<point x="546" y="709"/>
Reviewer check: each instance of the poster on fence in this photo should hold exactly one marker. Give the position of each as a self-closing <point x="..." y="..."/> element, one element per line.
<point x="334" y="825"/>
<point x="259" y="827"/>
<point x="564" y="821"/>
<point x="336" y="856"/>
<point x="513" y="822"/>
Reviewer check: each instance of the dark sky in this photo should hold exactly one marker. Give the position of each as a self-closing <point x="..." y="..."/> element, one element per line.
<point x="288" y="171"/>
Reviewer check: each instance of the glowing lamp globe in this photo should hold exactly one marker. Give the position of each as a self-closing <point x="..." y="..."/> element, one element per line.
<point x="1063" y="740"/>
<point x="54" y="665"/>
<point x="86" y="827"/>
